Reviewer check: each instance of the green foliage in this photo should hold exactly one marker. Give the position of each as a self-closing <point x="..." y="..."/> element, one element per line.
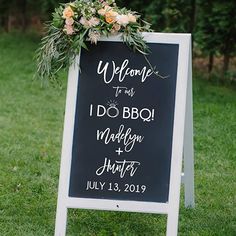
<point x="31" y="124"/>
<point x="153" y="14"/>
<point x="177" y="11"/>
<point x="57" y="19"/>
<point x="224" y="16"/>
<point x="216" y="27"/>
<point x="89" y="21"/>
<point x="205" y="28"/>
<point x="54" y="54"/>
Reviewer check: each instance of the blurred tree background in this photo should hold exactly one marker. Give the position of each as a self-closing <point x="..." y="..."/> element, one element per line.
<point x="212" y="24"/>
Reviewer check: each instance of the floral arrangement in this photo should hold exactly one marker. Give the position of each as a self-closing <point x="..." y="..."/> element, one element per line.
<point x="78" y="23"/>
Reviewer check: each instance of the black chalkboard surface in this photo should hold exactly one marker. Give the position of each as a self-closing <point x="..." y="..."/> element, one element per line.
<point x="124" y="119"/>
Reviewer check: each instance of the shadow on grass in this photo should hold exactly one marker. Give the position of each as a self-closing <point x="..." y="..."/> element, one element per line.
<point x="103" y="223"/>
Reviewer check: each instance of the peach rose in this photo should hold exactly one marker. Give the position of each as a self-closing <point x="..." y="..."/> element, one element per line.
<point x="68" y="12"/>
<point x="116" y="27"/>
<point x="110" y="16"/>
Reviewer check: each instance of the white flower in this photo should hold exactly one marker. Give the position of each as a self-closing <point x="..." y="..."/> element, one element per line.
<point x="83" y="21"/>
<point x="69" y="29"/>
<point x="103" y="11"/>
<point x="122" y="20"/>
<point x="93" y="10"/>
<point x="94" y="21"/>
<point x="132" y="18"/>
<point x="94" y="36"/>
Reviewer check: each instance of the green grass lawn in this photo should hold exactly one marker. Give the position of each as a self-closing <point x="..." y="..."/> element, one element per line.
<point x="31" y="123"/>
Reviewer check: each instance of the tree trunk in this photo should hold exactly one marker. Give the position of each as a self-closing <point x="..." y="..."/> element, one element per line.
<point x="192" y="16"/>
<point x="23" y="13"/>
<point x="9" y="22"/>
<point x="210" y="62"/>
<point x="226" y="63"/>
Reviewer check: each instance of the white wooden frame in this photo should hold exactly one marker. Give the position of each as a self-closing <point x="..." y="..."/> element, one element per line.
<point x="179" y="139"/>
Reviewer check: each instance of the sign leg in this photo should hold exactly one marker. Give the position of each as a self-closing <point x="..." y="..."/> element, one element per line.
<point x="188" y="143"/>
<point x="172" y="223"/>
<point x="61" y="221"/>
<point x="174" y="194"/>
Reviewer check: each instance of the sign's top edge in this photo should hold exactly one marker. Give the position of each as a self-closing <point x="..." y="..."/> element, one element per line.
<point x="154" y="37"/>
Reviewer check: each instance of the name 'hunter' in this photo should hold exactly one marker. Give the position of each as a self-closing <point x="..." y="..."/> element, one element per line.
<point x="122" y="167"/>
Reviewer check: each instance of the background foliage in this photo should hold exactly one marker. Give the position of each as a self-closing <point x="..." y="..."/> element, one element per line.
<point x="212" y="23"/>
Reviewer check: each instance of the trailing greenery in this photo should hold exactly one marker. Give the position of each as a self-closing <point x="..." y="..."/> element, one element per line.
<point x="76" y="23"/>
<point x="31" y="123"/>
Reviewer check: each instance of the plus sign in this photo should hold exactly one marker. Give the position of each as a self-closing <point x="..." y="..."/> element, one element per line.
<point x="119" y="151"/>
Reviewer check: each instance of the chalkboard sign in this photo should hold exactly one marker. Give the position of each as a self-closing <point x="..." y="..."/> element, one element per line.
<point x="124" y="128"/>
<point x="124" y="123"/>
